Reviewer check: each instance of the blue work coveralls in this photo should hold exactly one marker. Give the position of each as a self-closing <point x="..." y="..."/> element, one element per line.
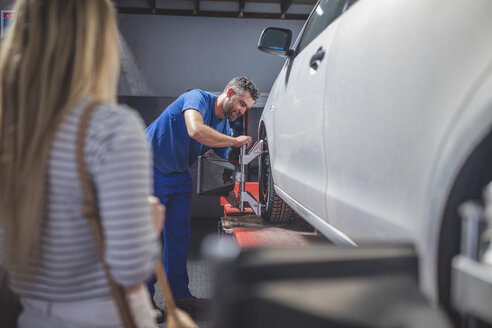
<point x="174" y="153"/>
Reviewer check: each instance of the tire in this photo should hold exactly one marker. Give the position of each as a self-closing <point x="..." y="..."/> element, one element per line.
<point x="472" y="178"/>
<point x="275" y="209"/>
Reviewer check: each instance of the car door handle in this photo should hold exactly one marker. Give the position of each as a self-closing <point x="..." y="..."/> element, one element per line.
<point x="317" y="58"/>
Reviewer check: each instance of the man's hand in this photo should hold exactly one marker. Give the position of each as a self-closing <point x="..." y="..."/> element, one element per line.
<point x="158" y="212"/>
<point x="241" y="140"/>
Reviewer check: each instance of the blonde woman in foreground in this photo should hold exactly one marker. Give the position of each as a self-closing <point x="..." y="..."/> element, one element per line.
<point x="58" y="56"/>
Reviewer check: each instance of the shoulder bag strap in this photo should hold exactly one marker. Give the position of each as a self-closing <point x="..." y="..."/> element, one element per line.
<point x="89" y="210"/>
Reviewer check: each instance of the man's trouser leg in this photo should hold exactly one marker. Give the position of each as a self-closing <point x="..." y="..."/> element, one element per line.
<point x="152" y="280"/>
<point x="175" y="193"/>
<point x="176" y="239"/>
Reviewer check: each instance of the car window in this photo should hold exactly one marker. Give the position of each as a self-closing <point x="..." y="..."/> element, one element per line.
<point x="325" y="12"/>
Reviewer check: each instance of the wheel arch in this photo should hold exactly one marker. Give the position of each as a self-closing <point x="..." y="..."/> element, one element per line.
<point x="462" y="146"/>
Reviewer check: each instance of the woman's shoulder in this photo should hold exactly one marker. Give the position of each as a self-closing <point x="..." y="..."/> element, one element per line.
<point x="111" y="121"/>
<point x="114" y="127"/>
<point x="110" y="112"/>
<point x="109" y="116"/>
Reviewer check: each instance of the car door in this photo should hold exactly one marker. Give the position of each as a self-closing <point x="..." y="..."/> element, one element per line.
<point x="299" y="164"/>
<point x="383" y="117"/>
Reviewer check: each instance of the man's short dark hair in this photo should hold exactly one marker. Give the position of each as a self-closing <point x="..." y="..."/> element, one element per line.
<point x="243" y="83"/>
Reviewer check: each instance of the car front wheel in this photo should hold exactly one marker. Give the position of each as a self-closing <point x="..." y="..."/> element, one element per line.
<point x="274" y="209"/>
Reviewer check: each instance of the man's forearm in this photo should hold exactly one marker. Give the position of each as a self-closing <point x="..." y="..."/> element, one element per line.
<point x="208" y="136"/>
<point x="211" y="138"/>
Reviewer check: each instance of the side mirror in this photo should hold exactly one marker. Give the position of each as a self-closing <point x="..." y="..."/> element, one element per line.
<point x="276" y="41"/>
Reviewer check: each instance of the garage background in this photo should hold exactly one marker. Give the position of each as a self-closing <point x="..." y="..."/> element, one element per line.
<point x="171" y="46"/>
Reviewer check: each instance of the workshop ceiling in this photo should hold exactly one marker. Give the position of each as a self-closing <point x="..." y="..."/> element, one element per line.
<point x="273" y="9"/>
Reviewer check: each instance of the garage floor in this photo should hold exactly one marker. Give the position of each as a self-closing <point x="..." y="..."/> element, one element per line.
<point x="199" y="270"/>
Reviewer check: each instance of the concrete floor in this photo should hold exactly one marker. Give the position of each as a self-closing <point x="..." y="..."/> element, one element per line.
<point x="199" y="269"/>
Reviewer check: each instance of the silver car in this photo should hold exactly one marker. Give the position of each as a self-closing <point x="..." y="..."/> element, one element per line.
<point x="379" y="124"/>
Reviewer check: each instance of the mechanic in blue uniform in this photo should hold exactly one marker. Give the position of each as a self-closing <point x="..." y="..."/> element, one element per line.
<point x="192" y="125"/>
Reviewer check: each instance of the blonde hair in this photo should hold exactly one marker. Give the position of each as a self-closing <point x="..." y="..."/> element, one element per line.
<point x="55" y="53"/>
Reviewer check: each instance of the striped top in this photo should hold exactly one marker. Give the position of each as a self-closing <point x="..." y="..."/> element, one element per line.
<point x="119" y="162"/>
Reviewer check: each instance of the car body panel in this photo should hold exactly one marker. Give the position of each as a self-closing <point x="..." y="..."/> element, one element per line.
<point x="299" y="130"/>
<point x="404" y="102"/>
<point x="382" y="168"/>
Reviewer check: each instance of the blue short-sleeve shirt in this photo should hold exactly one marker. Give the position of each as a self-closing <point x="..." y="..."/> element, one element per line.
<point x="174" y="150"/>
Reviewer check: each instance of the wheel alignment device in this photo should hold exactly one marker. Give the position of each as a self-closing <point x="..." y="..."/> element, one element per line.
<point x="240" y="177"/>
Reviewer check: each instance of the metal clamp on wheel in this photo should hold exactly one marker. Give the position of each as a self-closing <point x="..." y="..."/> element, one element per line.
<point x="244" y="160"/>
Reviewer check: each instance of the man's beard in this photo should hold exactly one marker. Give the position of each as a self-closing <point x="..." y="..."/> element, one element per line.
<point x="229" y="112"/>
